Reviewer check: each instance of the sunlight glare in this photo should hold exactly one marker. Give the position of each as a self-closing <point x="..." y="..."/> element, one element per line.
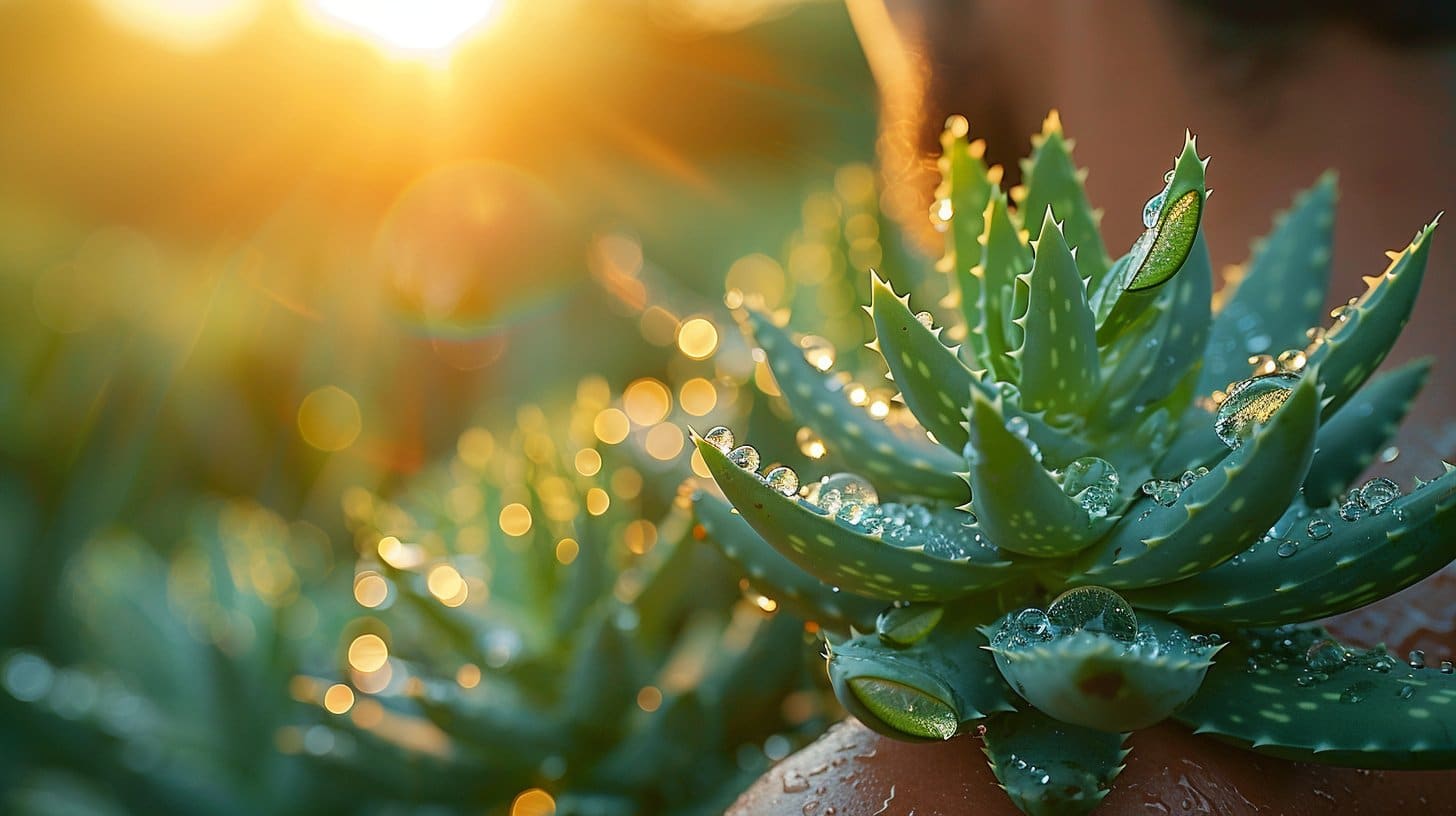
<point x="421" y="27"/>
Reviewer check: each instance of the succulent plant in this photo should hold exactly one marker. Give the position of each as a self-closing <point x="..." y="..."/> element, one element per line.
<point x="1104" y="517"/>
<point x="536" y="625"/>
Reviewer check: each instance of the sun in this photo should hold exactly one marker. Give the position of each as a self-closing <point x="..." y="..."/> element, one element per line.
<point x="429" y="28"/>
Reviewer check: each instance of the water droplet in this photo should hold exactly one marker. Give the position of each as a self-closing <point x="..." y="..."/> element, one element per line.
<point x="744" y="456"/>
<point x="1093" y="609"/>
<point x="1446" y="667"/>
<point x="849" y="487"/>
<point x="1291" y="361"/>
<point x="941" y="213"/>
<point x="1342" y="313"/>
<point x="1378" y="493"/>
<point x="1190" y="476"/>
<point x="1318" y="528"/>
<point x="1416" y="659"/>
<point x="1162" y="491"/>
<point x="850" y="512"/>
<point x="1406" y="692"/>
<point x="1351" y="511"/>
<point x="1168" y="176"/>
<point x="1018" y="426"/>
<point x="1286" y="548"/>
<point x="784" y="480"/>
<point x="1390" y="454"/>
<point x="818" y="351"/>
<point x="925" y="319"/>
<point x="1093" y="482"/>
<point x="1033" y="625"/>
<point x="1151" y="210"/>
<point x="1325" y="655"/>
<point x="720" y="438"/>
<point x="1251" y="402"/>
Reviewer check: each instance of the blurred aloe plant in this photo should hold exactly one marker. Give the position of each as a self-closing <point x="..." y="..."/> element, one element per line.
<point x="1104" y="517"/>
<point x="537" y="623"/>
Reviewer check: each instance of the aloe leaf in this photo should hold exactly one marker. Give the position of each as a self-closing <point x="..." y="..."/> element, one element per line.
<point x="1272" y="700"/>
<point x="1052" y="768"/>
<point x="1018" y="504"/>
<point x="1158" y="253"/>
<point x="961" y="199"/>
<point x="849" y="557"/>
<point x="1218" y="514"/>
<point x="604" y="673"/>
<point x="776" y="576"/>
<point x="925" y="691"/>
<point x="932" y="380"/>
<point x="1281" y="293"/>
<point x="1318" y="565"/>
<point x="1053" y="181"/>
<point x="1348" y="442"/>
<point x="895" y="461"/>
<point x="1059" y="367"/>
<point x="1360" y="339"/>
<point x="1093" y="679"/>
<point x="1004" y="259"/>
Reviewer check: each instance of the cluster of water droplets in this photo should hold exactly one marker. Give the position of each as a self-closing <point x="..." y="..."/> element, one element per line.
<point x="1321" y="659"/>
<point x="1166" y="492"/>
<point x="1091" y="609"/>
<point x="1093" y="482"/>
<point x="1374" y="497"/>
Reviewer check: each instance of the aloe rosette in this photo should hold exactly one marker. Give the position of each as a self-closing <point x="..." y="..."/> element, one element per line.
<point x="1097" y="509"/>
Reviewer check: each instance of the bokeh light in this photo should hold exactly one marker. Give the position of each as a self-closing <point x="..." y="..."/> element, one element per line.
<point x="515" y="519"/>
<point x="647" y="401"/>
<point x="698" y="338"/>
<point x="368" y="653"/>
<point x="339" y="699"/>
<point x="416" y="27"/>
<point x="370" y="589"/>
<point x="533" y="802"/>
<point x="329" y="419"/>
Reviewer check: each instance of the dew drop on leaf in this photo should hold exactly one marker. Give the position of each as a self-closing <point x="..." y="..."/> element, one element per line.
<point x="720" y="438"/>
<point x="1286" y="548"/>
<point x="744" y="456"/>
<point x="1318" y="528"/>
<point x="1378" y="493"/>
<point x="783" y="480"/>
<point x="1093" y="609"/>
<point x="1250" y="402"/>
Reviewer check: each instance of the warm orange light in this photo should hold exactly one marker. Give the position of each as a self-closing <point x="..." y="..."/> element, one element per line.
<point x="533" y="802"/>
<point x="339" y="698"/>
<point x="328" y="419"/>
<point x="421" y="27"/>
<point x="368" y="653"/>
<point x="515" y="519"/>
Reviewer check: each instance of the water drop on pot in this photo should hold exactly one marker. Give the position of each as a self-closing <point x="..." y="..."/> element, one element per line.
<point x="720" y="438"/>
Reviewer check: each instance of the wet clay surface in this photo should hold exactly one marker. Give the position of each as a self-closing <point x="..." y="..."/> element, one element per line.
<point x="851" y="771"/>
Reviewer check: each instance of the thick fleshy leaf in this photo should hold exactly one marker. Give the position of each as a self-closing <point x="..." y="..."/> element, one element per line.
<point x="1159" y="253"/>
<point x="776" y="576"/>
<point x="1281" y="292"/>
<point x="1369" y="711"/>
<point x="1316" y="565"/>
<point x="925" y="691"/>
<point x="1059" y="369"/>
<point x="1018" y="504"/>
<point x="1006" y="257"/>
<point x="932" y="380"/>
<point x="1359" y="340"/>
<point x="960" y="206"/>
<point x="896" y="461"/>
<point x="1348" y="442"/>
<point x="1052" y="768"/>
<point x="1218" y="514"/>
<point x="1052" y="180"/>
<point x="849" y="557"/>
<point x="1098" y="681"/>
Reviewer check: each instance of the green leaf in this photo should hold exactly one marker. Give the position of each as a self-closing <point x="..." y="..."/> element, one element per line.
<point x="1019" y="505"/>
<point x="1281" y="294"/>
<point x="849" y="557"/>
<point x="1348" y="442"/>
<point x="1051" y="768"/>
<point x="776" y="576"/>
<point x="1356" y="344"/>
<point x="1314" y="577"/>
<point x="967" y="188"/>
<point x="1217" y="515"/>
<point x="1095" y="680"/>
<point x="1158" y="253"/>
<point x="895" y="461"/>
<point x="1006" y="256"/>
<point x="932" y="380"/>
<point x="1059" y="368"/>
<point x="1053" y="181"/>
<point x="1360" y="716"/>
<point x="924" y="691"/>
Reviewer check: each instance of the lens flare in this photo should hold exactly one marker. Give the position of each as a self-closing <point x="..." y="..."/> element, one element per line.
<point x="421" y="27"/>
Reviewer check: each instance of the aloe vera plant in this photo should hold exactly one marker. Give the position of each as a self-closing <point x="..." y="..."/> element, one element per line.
<point x="1104" y="512"/>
